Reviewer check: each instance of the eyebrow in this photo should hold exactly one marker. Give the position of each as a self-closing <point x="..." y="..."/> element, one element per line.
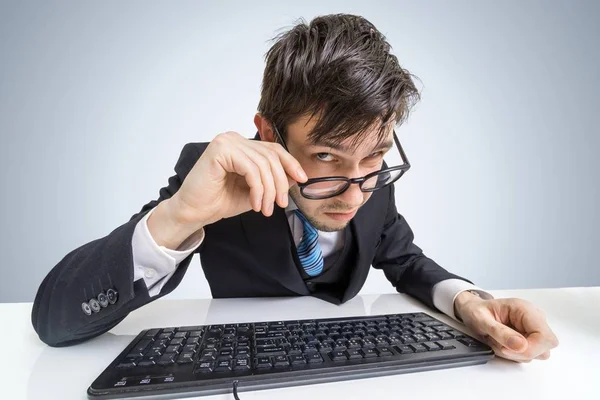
<point x="340" y="147"/>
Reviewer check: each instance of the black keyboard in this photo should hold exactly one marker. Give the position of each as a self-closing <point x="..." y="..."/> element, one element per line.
<point x="216" y="359"/>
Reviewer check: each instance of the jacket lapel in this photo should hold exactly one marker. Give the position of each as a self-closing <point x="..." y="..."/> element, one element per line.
<point x="271" y="239"/>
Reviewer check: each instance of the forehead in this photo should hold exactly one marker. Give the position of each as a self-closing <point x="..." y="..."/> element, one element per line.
<point x="300" y="130"/>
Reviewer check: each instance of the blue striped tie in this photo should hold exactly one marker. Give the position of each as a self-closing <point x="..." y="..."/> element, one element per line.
<point x="309" y="250"/>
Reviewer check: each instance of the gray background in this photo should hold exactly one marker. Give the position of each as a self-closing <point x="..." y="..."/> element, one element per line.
<point x="98" y="98"/>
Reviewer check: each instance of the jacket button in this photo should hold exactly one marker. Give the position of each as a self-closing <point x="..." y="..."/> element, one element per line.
<point x="95" y="305"/>
<point x="112" y="295"/>
<point x="103" y="300"/>
<point x="86" y="308"/>
<point x="149" y="273"/>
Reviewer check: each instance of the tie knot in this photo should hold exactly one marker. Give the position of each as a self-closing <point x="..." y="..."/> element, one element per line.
<point x="307" y="225"/>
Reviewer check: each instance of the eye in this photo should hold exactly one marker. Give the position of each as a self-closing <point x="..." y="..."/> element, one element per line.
<point x="323" y="156"/>
<point x="376" y="154"/>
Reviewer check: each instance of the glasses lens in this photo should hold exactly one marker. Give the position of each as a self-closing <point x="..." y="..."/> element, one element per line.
<point x="324" y="189"/>
<point x="382" y="179"/>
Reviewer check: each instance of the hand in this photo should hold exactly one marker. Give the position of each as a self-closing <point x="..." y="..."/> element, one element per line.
<point x="235" y="175"/>
<point x="514" y="328"/>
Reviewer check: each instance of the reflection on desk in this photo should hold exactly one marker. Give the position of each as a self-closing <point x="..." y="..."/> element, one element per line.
<point x="573" y="314"/>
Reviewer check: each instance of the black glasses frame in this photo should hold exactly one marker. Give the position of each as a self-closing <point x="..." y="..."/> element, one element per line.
<point x="349" y="181"/>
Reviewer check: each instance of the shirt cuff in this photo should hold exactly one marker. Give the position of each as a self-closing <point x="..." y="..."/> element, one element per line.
<point x="444" y="293"/>
<point x="156" y="264"/>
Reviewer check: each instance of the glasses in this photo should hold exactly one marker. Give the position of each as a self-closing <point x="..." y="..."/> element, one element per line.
<point x="331" y="186"/>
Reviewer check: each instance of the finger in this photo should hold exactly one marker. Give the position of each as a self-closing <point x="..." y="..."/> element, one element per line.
<point x="534" y="322"/>
<point x="290" y="165"/>
<point x="538" y="345"/>
<point x="242" y="165"/>
<point x="544" y="356"/>
<point x="282" y="184"/>
<point x="267" y="179"/>
<point x="505" y="336"/>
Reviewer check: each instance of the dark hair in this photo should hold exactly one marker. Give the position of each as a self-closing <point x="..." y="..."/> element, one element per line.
<point x="338" y="67"/>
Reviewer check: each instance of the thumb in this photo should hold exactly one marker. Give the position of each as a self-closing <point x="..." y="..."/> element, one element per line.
<point x="505" y="336"/>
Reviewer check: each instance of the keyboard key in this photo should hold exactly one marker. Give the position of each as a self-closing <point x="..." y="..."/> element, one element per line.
<point x="431" y="346"/>
<point x="191" y="328"/>
<point x="368" y="353"/>
<point x="126" y="364"/>
<point x="185" y="358"/>
<point x="190" y="348"/>
<point x="445" y="344"/>
<point x="176" y="341"/>
<point x="270" y="351"/>
<point x="280" y="361"/>
<point x="208" y="355"/>
<point x="151" y="333"/>
<point x="172" y="349"/>
<point x="469" y="342"/>
<point x="181" y="335"/>
<point x="223" y="366"/>
<point x="354" y="354"/>
<point x="206" y="367"/>
<point x="384" y="351"/>
<point x="444" y="335"/>
<point x="142" y="345"/>
<point x="314" y="358"/>
<point x="241" y="364"/>
<point x="297" y="359"/>
<point x="432" y="336"/>
<point x="226" y="354"/>
<point x="167" y="358"/>
<point x="418" y="348"/>
<point x="263" y="362"/>
<point x="404" y="349"/>
<point x="338" y="355"/>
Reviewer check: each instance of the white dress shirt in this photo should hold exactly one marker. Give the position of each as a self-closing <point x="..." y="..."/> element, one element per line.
<point x="156" y="264"/>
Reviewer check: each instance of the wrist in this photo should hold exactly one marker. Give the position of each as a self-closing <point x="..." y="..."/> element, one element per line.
<point x="464" y="298"/>
<point x="169" y="226"/>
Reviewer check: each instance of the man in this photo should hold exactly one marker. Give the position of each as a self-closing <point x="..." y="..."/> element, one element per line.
<point x="304" y="208"/>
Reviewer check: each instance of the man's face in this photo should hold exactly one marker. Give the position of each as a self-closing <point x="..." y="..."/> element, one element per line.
<point x="322" y="160"/>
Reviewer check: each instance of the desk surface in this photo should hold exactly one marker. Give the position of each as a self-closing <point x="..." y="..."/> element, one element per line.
<point x="32" y="370"/>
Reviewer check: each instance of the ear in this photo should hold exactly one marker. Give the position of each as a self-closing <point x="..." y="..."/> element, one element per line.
<point x="264" y="127"/>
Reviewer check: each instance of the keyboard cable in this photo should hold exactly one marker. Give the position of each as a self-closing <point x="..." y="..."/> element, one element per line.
<point x="235" y="386"/>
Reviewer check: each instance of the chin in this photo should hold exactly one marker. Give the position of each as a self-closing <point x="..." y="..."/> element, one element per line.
<point x="331" y="226"/>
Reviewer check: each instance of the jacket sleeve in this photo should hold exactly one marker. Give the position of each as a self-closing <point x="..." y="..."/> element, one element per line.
<point x="93" y="269"/>
<point x="403" y="262"/>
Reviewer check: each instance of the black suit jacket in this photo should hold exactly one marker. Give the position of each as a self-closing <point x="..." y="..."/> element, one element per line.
<point x="248" y="255"/>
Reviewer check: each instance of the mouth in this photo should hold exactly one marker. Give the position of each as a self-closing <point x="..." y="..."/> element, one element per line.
<point x="341" y="216"/>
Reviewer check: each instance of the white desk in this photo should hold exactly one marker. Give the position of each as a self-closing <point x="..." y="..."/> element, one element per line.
<point x="31" y="370"/>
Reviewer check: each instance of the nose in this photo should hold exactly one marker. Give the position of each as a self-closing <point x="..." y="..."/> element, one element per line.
<point x="353" y="196"/>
